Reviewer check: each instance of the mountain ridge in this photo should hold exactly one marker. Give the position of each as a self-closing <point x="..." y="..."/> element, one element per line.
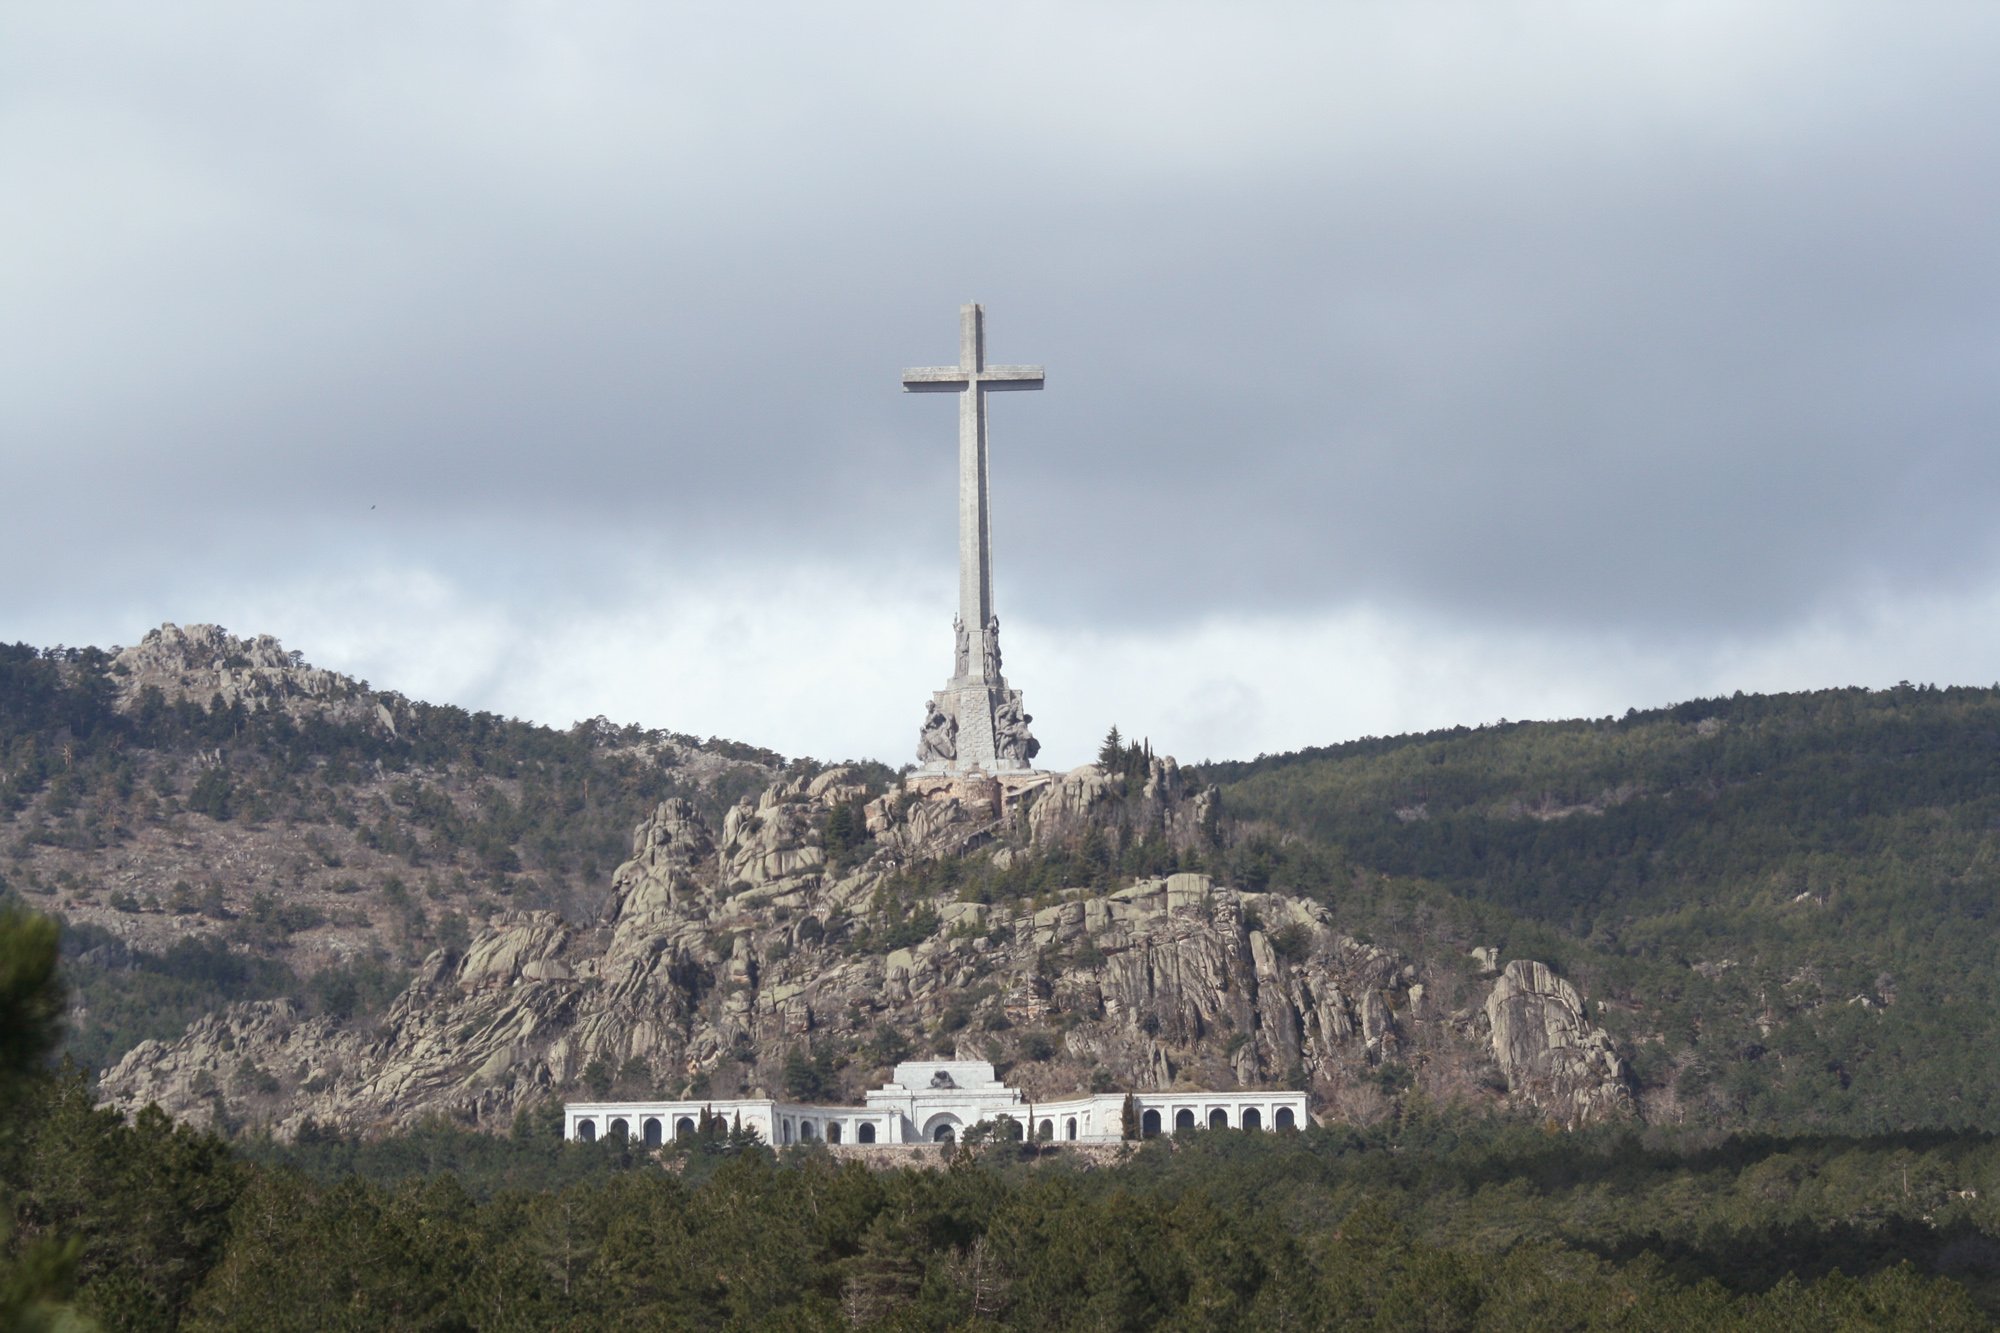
<point x="1624" y="884"/>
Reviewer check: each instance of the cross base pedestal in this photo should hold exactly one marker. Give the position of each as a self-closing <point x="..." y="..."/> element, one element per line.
<point x="988" y="731"/>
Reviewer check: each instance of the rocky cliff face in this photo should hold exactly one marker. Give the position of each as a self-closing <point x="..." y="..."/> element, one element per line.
<point x="1550" y="1054"/>
<point x="782" y="935"/>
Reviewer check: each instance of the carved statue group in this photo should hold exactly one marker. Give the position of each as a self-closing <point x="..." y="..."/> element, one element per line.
<point x="939" y="740"/>
<point x="1011" y="738"/>
<point x="939" y="743"/>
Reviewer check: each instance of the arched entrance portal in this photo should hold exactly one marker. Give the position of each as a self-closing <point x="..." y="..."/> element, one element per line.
<point x="1183" y="1119"/>
<point x="1149" y="1125"/>
<point x="1218" y="1119"/>
<point x="1069" y="1128"/>
<point x="684" y="1127"/>
<point x="653" y="1133"/>
<point x="586" y="1130"/>
<point x="619" y="1129"/>
<point x="833" y="1133"/>
<point x="865" y="1134"/>
<point x="1251" y="1119"/>
<point x="1283" y="1120"/>
<point x="942" y="1128"/>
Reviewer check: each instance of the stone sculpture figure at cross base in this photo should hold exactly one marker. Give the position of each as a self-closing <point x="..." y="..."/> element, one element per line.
<point x="988" y="729"/>
<point x="938" y="742"/>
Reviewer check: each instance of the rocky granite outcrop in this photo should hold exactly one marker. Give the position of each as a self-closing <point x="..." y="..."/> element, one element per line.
<point x="206" y="662"/>
<point x="1551" y="1055"/>
<point x="724" y="949"/>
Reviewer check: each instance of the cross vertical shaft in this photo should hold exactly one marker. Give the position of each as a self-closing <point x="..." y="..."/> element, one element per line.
<point x="975" y="513"/>
<point x="975" y="723"/>
<point x="973" y="379"/>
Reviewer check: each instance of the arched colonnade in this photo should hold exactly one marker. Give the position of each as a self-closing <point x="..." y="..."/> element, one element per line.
<point x="1154" y="1120"/>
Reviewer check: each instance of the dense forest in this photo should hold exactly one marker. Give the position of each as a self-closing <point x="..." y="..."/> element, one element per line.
<point x="1783" y="906"/>
<point x="1432" y="1221"/>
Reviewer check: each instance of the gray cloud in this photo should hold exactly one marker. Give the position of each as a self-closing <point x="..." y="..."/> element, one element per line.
<point x="1679" y="327"/>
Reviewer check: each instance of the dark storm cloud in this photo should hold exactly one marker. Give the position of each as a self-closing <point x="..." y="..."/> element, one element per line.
<point x="1551" y="320"/>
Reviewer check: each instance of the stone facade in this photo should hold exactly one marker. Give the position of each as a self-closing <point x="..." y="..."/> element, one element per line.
<point x="936" y="1101"/>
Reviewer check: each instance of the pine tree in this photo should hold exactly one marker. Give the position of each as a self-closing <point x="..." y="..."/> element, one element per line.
<point x="1112" y="753"/>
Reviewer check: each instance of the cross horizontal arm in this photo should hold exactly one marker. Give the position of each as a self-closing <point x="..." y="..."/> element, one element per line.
<point x="999" y="378"/>
<point x="1012" y="373"/>
<point x="950" y="379"/>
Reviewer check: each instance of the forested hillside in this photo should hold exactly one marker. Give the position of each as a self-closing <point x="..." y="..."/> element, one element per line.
<point x="1783" y="905"/>
<point x="234" y="837"/>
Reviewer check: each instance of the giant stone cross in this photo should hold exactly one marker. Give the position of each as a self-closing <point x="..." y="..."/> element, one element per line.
<point x="975" y="722"/>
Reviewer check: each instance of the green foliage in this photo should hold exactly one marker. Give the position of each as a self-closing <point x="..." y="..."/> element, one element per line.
<point x="31" y="997"/>
<point x="1429" y="1221"/>
<point x="1292" y="943"/>
<point x="1117" y="756"/>
<point x="888" y="1046"/>
<point x="533" y="1157"/>
<point x="211" y="794"/>
<point x="810" y="1076"/>
<point x="126" y="995"/>
<point x="1782" y="904"/>
<point x="357" y="986"/>
<point x="146" y="1204"/>
<point x="844" y="834"/>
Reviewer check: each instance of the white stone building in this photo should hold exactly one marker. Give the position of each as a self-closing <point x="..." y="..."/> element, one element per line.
<point x="935" y="1101"/>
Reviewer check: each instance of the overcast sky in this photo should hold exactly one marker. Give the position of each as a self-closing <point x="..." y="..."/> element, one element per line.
<point x="1408" y="364"/>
